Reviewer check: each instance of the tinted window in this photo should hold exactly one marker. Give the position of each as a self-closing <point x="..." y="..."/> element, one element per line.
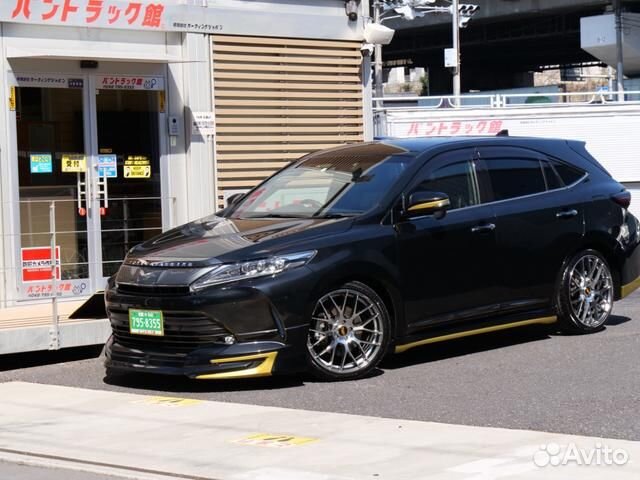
<point x="456" y="180"/>
<point x="568" y="174"/>
<point x="511" y="178"/>
<point x="551" y="177"/>
<point x="345" y="181"/>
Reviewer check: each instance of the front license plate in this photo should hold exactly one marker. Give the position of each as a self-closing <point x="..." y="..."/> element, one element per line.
<point x="146" y="322"/>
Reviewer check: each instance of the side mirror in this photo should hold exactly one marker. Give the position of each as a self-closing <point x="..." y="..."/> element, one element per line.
<point x="235" y="198"/>
<point x="427" y="203"/>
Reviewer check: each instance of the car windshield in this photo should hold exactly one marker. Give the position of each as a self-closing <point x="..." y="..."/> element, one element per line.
<point x="338" y="182"/>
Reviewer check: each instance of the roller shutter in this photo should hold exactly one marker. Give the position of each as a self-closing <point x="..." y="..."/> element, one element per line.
<point x="279" y="98"/>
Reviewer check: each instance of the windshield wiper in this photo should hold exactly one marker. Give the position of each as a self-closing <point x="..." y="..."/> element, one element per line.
<point x="276" y="215"/>
<point x="335" y="215"/>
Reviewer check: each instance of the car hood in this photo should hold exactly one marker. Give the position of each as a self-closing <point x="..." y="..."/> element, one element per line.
<point x="216" y="239"/>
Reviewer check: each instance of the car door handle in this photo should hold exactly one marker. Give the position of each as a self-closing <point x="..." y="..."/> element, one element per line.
<point x="484" y="228"/>
<point x="567" y="213"/>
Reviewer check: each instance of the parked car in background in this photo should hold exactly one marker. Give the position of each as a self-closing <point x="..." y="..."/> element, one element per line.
<point x="357" y="251"/>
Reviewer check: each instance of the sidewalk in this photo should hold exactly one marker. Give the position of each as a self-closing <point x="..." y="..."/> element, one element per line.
<point x="138" y="436"/>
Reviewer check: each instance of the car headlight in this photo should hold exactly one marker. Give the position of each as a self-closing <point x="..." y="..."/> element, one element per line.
<point x="232" y="272"/>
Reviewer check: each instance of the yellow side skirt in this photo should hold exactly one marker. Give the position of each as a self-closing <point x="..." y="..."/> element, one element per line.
<point x="630" y="287"/>
<point x="468" y="333"/>
<point x="261" y="370"/>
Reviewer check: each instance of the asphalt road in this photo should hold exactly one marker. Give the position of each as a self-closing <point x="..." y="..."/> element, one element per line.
<point x="530" y="378"/>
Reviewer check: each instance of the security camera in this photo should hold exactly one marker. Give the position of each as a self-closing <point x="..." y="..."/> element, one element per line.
<point x="367" y="49"/>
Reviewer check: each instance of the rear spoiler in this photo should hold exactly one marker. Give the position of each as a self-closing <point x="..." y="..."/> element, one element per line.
<point x="93" y="308"/>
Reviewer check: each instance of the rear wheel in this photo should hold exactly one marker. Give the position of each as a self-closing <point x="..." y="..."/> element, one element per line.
<point x="585" y="296"/>
<point x="348" y="334"/>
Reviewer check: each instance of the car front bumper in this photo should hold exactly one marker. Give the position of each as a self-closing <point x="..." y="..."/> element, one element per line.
<point x="253" y="329"/>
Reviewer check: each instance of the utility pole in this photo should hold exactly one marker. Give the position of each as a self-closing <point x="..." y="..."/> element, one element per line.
<point x="620" y="58"/>
<point x="377" y="66"/>
<point x="455" y="23"/>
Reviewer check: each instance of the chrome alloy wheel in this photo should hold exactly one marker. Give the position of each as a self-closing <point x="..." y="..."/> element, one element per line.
<point x="346" y="331"/>
<point x="591" y="291"/>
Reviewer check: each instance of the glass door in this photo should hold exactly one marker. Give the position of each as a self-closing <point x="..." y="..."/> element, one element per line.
<point x="51" y="158"/>
<point x="88" y="149"/>
<point x="128" y="171"/>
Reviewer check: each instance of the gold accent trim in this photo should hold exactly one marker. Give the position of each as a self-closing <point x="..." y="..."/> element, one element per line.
<point x="433" y="204"/>
<point x="478" y="331"/>
<point x="262" y="370"/>
<point x="630" y="288"/>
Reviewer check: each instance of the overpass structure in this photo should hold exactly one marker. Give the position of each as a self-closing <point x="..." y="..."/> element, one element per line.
<point x="508" y="40"/>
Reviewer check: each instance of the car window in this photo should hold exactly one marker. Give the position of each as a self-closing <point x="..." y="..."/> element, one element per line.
<point x="551" y="177"/>
<point x="517" y="177"/>
<point x="569" y="175"/>
<point x="456" y="180"/>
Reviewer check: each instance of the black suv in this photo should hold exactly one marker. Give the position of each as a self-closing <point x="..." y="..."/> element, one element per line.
<point x="353" y="252"/>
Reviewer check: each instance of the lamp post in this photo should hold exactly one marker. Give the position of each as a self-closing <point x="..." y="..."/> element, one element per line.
<point x="455" y="26"/>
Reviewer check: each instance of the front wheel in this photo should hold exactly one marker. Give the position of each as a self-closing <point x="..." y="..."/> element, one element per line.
<point x="585" y="296"/>
<point x="349" y="333"/>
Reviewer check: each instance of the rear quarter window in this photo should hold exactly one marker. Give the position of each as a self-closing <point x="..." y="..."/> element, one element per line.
<point x="568" y="174"/>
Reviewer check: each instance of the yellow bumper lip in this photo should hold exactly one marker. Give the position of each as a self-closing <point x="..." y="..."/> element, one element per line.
<point x="262" y="369"/>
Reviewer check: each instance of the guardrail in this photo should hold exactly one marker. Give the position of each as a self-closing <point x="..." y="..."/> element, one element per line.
<point x="53" y="229"/>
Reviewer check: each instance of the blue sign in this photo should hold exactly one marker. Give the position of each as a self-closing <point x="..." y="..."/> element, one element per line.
<point x="41" y="163"/>
<point x="108" y="166"/>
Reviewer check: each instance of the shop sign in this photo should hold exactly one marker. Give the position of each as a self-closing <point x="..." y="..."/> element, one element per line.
<point x="137" y="166"/>
<point x="203" y="123"/>
<point x="74" y="163"/>
<point x="87" y="13"/>
<point x="108" y="166"/>
<point x="43" y="80"/>
<point x="448" y="128"/>
<point x="41" y="163"/>
<point x="64" y="288"/>
<point x="129" y="82"/>
<point x="36" y="264"/>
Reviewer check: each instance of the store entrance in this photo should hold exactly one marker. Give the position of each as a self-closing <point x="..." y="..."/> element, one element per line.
<point x="88" y="163"/>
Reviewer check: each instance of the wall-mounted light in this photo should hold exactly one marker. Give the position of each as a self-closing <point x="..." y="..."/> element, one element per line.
<point x="351" y="9"/>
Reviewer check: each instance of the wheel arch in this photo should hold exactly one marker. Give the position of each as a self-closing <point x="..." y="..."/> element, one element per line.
<point x="375" y="278"/>
<point x="604" y="245"/>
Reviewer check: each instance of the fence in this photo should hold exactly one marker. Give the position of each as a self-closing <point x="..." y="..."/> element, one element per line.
<point x="57" y="253"/>
<point x="385" y="109"/>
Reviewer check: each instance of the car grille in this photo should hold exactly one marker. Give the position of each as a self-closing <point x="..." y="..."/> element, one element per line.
<point x="174" y="360"/>
<point x="155" y="290"/>
<point x="183" y="332"/>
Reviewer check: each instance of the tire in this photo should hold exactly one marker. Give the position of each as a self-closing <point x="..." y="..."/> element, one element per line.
<point x="349" y="333"/>
<point x="585" y="293"/>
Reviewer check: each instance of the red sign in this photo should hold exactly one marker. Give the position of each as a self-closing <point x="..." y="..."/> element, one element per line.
<point x="101" y="13"/>
<point x="455" y="127"/>
<point x="36" y="264"/>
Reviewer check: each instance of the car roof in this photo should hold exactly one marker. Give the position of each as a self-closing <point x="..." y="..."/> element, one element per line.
<point x="423" y="144"/>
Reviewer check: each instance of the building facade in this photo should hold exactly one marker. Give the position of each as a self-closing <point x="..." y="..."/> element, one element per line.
<point x="123" y="119"/>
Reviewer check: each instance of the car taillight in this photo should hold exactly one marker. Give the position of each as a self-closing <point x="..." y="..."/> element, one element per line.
<point x="623" y="198"/>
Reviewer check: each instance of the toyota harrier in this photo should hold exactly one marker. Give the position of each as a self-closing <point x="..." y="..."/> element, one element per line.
<point x="362" y="250"/>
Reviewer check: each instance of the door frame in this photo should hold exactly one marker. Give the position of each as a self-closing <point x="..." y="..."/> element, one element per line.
<point x="95" y="281"/>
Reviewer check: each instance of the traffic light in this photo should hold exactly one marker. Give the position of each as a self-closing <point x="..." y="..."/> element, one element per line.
<point x="466" y="11"/>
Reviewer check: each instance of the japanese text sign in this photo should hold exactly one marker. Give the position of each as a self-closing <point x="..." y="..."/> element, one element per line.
<point x="74" y="163"/>
<point x="36" y="264"/>
<point x="41" y="163"/>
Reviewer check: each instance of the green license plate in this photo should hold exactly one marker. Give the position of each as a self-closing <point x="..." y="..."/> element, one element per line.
<point x="146" y="322"/>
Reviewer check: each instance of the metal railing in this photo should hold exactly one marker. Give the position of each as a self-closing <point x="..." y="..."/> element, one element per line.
<point x="52" y="229"/>
<point x="386" y="107"/>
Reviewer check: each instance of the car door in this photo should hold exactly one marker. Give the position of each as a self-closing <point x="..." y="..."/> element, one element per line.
<point x="538" y="223"/>
<point x="447" y="264"/>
